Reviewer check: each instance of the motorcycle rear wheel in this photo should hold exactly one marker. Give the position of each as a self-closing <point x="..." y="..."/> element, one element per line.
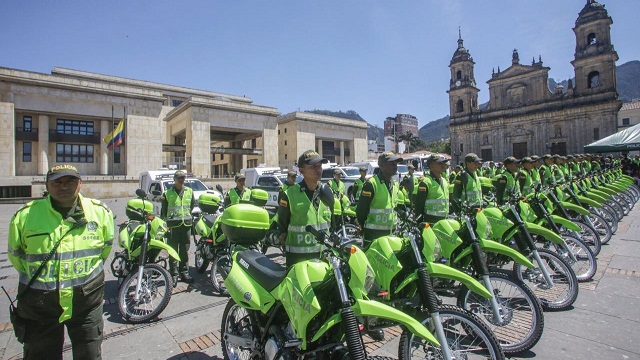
<point x="589" y="237"/>
<point x="602" y="228"/>
<point x="238" y="324"/>
<point x="220" y="268"/>
<point x="468" y="337"/>
<point x="157" y="286"/>
<point x="200" y="256"/>
<point x="585" y="265"/>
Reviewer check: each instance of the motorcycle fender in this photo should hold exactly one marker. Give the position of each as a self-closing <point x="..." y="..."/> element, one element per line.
<point x="157" y="244"/>
<point x="566" y="223"/>
<point x="374" y="308"/>
<point x="597" y="197"/>
<point x="589" y="201"/>
<point x="536" y="229"/>
<point x="577" y="208"/>
<point x="447" y="272"/>
<point x="607" y="191"/>
<point x="494" y="247"/>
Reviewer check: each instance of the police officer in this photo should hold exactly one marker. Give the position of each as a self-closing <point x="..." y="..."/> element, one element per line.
<point x="410" y="182"/>
<point x="378" y="199"/>
<point x="356" y="188"/>
<point x="336" y="184"/>
<point x="546" y="170"/>
<point x="529" y="177"/>
<point x="467" y="186"/>
<point x="291" y="179"/>
<point x="308" y="202"/>
<point x="490" y="171"/>
<point x="177" y="203"/>
<point x="432" y="200"/>
<point x="507" y="184"/>
<point x="69" y="289"/>
<point x="454" y="174"/>
<point x="240" y="192"/>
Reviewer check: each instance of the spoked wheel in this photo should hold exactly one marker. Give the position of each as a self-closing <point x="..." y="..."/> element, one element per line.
<point x="200" y="256"/>
<point x="155" y="293"/>
<point x="620" y="199"/>
<point x="585" y="264"/>
<point x="522" y="316"/>
<point x="467" y="337"/>
<point x="564" y="290"/>
<point x="238" y="332"/>
<point x="589" y="237"/>
<point x="602" y="228"/>
<point x="220" y="268"/>
<point x="609" y="215"/>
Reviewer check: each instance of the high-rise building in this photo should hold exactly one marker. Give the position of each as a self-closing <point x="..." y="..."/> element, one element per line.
<point x="400" y="125"/>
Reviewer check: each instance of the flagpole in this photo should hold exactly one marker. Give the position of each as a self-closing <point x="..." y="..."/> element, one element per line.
<point x="123" y="157"/>
<point x="113" y="154"/>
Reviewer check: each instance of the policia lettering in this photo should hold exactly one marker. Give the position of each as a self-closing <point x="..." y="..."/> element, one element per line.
<point x="298" y="239"/>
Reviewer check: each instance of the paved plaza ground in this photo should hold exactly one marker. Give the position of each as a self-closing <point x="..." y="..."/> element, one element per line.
<point x="603" y="324"/>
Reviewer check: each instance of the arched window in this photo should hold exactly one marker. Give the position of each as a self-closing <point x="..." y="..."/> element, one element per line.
<point x="591" y="39"/>
<point x="593" y="80"/>
<point x="459" y="75"/>
<point x="459" y="106"/>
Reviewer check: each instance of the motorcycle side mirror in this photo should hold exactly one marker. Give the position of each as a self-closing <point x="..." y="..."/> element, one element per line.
<point x="326" y="196"/>
<point x="156" y="192"/>
<point x="196" y="212"/>
<point x="219" y="188"/>
<point x="141" y="194"/>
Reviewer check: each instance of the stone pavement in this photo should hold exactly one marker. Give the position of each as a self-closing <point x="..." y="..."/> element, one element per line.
<point x="604" y="323"/>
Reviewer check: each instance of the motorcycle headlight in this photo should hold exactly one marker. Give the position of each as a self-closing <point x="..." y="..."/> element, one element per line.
<point x="436" y="250"/>
<point x="369" y="279"/>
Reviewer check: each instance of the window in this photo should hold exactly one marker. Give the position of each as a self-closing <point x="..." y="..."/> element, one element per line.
<point x="459" y="75"/>
<point x="461" y="147"/>
<point x="596" y="134"/>
<point x="625" y="122"/>
<point x="254" y="143"/>
<point x="213" y="157"/>
<point x="285" y="156"/>
<point x="77" y="153"/>
<point x="519" y="150"/>
<point x="74" y="127"/>
<point x="221" y="156"/>
<point x="486" y="154"/>
<point x="116" y="155"/>
<point x="176" y="102"/>
<point x="26" y="123"/>
<point x="591" y="39"/>
<point x="285" y="143"/>
<point x="285" y="130"/>
<point x="593" y="80"/>
<point x="459" y="106"/>
<point x="26" y="151"/>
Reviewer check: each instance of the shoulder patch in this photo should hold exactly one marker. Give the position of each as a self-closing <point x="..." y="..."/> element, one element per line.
<point x="284" y="203"/>
<point x="366" y="193"/>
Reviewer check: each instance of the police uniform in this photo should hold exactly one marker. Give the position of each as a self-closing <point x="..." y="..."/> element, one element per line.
<point x="235" y="195"/>
<point x="467" y="187"/>
<point x="375" y="210"/>
<point x="337" y="187"/>
<point x="176" y="211"/>
<point x="433" y="198"/>
<point x="69" y="292"/>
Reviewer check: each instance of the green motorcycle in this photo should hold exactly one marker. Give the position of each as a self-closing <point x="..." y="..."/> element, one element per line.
<point x="308" y="310"/>
<point x="514" y="313"/>
<point x="146" y="289"/>
<point x="404" y="269"/>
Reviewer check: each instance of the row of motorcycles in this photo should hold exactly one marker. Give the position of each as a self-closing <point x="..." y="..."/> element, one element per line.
<point x="474" y="285"/>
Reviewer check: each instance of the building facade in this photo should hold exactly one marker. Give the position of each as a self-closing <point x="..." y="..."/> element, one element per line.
<point x="64" y="116"/>
<point x="629" y="115"/>
<point x="525" y="117"/>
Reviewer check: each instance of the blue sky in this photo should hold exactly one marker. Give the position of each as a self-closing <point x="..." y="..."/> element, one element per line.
<point x="378" y="58"/>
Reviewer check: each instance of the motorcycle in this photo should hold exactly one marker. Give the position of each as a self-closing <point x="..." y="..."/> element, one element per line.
<point x="308" y="310"/>
<point x="404" y="271"/>
<point x="146" y="289"/>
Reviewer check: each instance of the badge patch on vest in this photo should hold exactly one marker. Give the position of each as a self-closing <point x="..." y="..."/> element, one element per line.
<point x="92" y="226"/>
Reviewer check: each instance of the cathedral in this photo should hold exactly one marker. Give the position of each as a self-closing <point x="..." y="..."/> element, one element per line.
<point x="524" y="116"/>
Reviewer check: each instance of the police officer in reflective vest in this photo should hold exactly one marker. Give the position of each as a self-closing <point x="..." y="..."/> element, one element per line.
<point x="291" y="180"/>
<point x="69" y="290"/>
<point x="547" y="171"/>
<point x="432" y="200"/>
<point x="240" y="192"/>
<point x="507" y="184"/>
<point x="177" y="203"/>
<point x="356" y="188"/>
<point x="375" y="210"/>
<point x="308" y="202"/>
<point x="336" y="184"/>
<point x="410" y="183"/>
<point x="527" y="179"/>
<point x="467" y="185"/>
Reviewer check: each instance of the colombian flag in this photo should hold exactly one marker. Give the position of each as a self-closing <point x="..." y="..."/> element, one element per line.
<point x="114" y="138"/>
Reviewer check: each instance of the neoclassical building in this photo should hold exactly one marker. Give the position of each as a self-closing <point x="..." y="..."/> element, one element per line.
<point x="525" y="117"/>
<point x="64" y="116"/>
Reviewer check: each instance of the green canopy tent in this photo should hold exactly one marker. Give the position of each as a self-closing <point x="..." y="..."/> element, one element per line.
<point x="625" y="140"/>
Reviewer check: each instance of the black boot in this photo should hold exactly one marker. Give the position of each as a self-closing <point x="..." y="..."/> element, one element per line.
<point x="186" y="278"/>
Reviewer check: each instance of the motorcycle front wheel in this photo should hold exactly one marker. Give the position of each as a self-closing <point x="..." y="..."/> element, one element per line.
<point x="522" y="316"/>
<point x="602" y="228"/>
<point x="238" y="330"/>
<point x="155" y="293"/>
<point x="585" y="264"/>
<point x="467" y="337"/>
<point x="200" y="256"/>
<point x="220" y="268"/>
<point x="564" y="291"/>
<point x="589" y="237"/>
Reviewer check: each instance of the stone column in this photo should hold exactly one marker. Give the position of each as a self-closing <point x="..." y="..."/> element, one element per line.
<point x="105" y="154"/>
<point x="270" y="143"/>
<point x="342" y="153"/>
<point x="43" y="145"/>
<point x="8" y="137"/>
<point x="198" y="142"/>
<point x="319" y="146"/>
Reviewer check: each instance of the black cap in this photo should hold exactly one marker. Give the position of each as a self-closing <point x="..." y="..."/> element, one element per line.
<point x="60" y="170"/>
<point x="311" y="157"/>
<point x="547" y="156"/>
<point x="240" y="176"/>
<point x="436" y="158"/>
<point x="535" y="158"/>
<point x="471" y="157"/>
<point x="389" y="156"/>
<point x="179" y="173"/>
<point x="526" y="159"/>
<point x="510" y="160"/>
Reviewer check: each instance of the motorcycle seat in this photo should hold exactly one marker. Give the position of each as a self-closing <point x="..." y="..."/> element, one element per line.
<point x="264" y="270"/>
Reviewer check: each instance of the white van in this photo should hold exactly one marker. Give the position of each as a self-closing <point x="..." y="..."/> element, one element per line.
<point x="372" y="169"/>
<point x="156" y="182"/>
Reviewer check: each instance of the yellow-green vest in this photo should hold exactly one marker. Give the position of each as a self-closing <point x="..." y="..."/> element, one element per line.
<point x="472" y="192"/>
<point x="437" y="202"/>
<point x="381" y="214"/>
<point x="179" y="208"/>
<point x="303" y="213"/>
<point x="234" y="197"/>
<point x="337" y="188"/>
<point x="360" y="184"/>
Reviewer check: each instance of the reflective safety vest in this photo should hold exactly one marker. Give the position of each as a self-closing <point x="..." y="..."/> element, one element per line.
<point x="179" y="208"/>
<point x="336" y="187"/>
<point x="472" y="192"/>
<point x="511" y="189"/>
<point x="235" y="198"/>
<point x="79" y="259"/>
<point x="381" y="214"/>
<point x="547" y="178"/>
<point x="360" y="184"/>
<point x="303" y="213"/>
<point x="529" y="183"/>
<point x="437" y="202"/>
<point x="558" y="173"/>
